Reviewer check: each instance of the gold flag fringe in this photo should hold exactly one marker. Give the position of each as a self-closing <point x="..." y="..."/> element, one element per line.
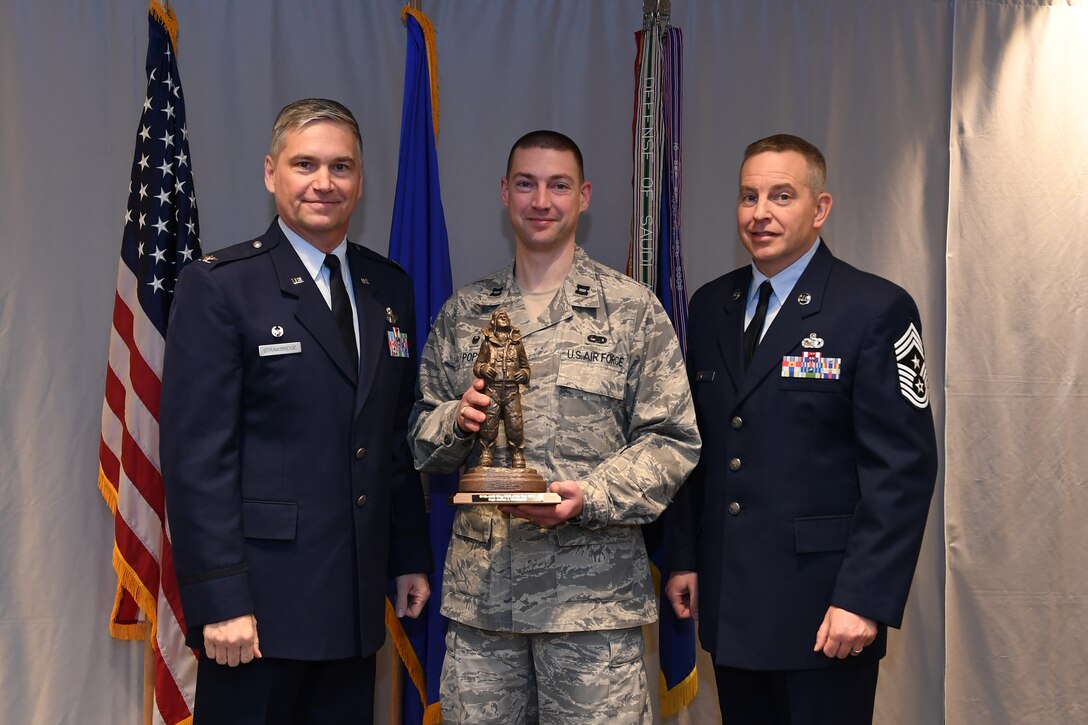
<point x="108" y="489"/>
<point x="432" y="58"/>
<point x="679" y="697"/>
<point x="167" y="19"/>
<point x="407" y="654"/>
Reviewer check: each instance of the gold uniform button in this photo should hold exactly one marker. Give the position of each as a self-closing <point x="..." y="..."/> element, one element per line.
<point x="734" y="464"/>
<point x="257" y="245"/>
<point x="359" y="453"/>
<point x="737" y="422"/>
<point x="734" y="508"/>
<point x="361" y="501"/>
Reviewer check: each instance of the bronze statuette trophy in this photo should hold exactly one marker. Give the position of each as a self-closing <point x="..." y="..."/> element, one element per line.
<point x="504" y="367"/>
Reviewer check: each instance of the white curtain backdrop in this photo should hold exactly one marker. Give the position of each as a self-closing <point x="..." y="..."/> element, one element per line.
<point x="956" y="133"/>
<point x="1017" y="393"/>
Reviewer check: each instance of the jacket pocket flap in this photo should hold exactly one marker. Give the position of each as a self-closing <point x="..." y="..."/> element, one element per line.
<point x="472" y="523"/>
<point x="822" y="533"/>
<point x="603" y="381"/>
<point x="277" y="520"/>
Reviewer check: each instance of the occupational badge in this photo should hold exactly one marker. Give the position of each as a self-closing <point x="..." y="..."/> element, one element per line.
<point x="812" y="342"/>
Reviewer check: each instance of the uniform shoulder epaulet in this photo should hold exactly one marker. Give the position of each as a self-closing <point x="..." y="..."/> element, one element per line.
<point x="372" y="256"/>
<point x="235" y="252"/>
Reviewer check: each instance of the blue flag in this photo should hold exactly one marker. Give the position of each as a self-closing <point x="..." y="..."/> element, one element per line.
<point x="418" y="242"/>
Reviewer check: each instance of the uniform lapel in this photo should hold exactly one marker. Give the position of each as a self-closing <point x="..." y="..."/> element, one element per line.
<point x="312" y="311"/>
<point x="792" y="323"/>
<point x="731" y="329"/>
<point x="372" y="319"/>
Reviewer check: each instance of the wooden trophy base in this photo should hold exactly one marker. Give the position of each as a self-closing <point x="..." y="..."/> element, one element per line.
<point x="491" y="485"/>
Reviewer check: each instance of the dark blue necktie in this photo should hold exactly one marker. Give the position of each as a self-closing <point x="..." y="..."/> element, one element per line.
<point x="755" y="327"/>
<point x="341" y="307"/>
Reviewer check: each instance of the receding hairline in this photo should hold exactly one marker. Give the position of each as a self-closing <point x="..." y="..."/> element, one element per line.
<point x="784" y="143"/>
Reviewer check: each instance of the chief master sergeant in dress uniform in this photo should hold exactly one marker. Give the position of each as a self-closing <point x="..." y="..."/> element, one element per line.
<point x="291" y="493"/>
<point x="796" y="538"/>
<point x="546" y="604"/>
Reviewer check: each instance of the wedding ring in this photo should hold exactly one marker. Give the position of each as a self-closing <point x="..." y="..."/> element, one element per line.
<point x="463" y="409"/>
<point x="855" y="652"/>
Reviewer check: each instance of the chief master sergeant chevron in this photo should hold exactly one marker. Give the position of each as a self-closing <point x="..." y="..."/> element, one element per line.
<point x="546" y="604"/>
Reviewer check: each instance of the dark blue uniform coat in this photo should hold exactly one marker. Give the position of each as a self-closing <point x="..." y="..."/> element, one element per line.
<point x="290" y="490"/>
<point x="809" y="492"/>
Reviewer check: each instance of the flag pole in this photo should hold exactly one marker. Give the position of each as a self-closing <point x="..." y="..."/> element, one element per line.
<point x="396" y="686"/>
<point x="149" y="680"/>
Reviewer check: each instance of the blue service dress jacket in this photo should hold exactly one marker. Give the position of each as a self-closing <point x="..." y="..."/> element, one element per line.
<point x="818" y="465"/>
<point x="291" y="493"/>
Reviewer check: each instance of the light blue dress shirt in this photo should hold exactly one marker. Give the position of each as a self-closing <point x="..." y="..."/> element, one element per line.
<point x="314" y="261"/>
<point x="782" y="284"/>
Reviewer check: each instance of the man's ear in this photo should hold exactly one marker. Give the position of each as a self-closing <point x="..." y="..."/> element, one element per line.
<point x="823" y="208"/>
<point x="269" y="174"/>
<point x="586" y="192"/>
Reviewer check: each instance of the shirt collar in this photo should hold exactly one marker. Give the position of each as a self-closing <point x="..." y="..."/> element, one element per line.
<point x="784" y="281"/>
<point x="581" y="288"/>
<point x="312" y="257"/>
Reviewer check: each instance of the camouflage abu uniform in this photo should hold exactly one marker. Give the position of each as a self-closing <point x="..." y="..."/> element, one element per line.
<point x="609" y="406"/>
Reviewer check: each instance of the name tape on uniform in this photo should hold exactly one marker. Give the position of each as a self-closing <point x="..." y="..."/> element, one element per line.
<point x="283" y="348"/>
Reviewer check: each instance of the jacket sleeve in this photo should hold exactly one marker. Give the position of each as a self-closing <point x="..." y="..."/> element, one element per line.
<point x="897" y="468"/>
<point x="636" y="483"/>
<point x="199" y="447"/>
<point x="438" y="446"/>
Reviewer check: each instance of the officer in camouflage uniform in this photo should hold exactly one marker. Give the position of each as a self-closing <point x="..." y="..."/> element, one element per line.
<point x="547" y="602"/>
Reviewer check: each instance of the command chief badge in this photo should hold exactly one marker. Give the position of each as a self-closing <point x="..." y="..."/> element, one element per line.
<point x="910" y="360"/>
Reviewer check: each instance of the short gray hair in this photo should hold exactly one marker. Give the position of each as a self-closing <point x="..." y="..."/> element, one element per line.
<point x="296" y="115"/>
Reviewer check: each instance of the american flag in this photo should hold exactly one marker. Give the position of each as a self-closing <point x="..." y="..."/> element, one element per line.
<point x="161" y="236"/>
